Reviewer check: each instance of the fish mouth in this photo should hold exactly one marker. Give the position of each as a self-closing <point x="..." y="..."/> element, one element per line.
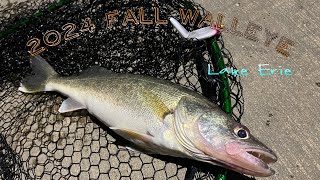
<point x="264" y="156"/>
<point x="254" y="161"/>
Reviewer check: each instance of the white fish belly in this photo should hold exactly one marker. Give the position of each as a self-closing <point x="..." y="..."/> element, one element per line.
<point x="113" y="115"/>
<point x="112" y="108"/>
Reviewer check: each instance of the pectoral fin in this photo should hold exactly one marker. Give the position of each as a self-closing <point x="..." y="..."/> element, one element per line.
<point x="136" y="149"/>
<point x="145" y="143"/>
<point x="133" y="136"/>
<point x="70" y="105"/>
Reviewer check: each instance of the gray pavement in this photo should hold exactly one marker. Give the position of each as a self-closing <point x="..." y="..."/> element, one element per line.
<point x="290" y="105"/>
<point x="281" y="111"/>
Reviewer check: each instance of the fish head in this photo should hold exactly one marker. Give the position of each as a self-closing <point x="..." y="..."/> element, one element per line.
<point x="209" y="134"/>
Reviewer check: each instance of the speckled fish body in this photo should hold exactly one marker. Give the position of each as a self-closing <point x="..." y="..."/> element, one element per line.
<point x="128" y="101"/>
<point x="157" y="115"/>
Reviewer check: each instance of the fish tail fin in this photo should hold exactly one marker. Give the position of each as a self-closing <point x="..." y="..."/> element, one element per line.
<point x="43" y="72"/>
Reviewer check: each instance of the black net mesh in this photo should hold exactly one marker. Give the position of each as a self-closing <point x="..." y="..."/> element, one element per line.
<point x="37" y="142"/>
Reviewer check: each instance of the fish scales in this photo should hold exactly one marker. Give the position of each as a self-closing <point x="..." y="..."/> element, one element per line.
<point x="115" y="94"/>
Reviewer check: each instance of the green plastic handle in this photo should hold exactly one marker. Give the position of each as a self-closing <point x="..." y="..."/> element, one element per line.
<point x="225" y="92"/>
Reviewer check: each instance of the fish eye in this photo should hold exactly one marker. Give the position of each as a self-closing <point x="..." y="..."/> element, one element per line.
<point x="241" y="133"/>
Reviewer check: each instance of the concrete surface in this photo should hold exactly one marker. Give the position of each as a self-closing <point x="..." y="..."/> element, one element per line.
<point x="290" y="105"/>
<point x="282" y="111"/>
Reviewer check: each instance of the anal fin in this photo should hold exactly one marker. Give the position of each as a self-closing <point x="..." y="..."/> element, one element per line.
<point x="69" y="105"/>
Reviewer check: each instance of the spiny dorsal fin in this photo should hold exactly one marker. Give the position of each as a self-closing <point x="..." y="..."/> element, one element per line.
<point x="94" y="70"/>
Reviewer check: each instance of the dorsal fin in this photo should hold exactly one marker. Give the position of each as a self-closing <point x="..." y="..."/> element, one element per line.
<point x="94" y="70"/>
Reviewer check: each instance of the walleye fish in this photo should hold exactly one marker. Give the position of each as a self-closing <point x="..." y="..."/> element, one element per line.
<point x="157" y="115"/>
